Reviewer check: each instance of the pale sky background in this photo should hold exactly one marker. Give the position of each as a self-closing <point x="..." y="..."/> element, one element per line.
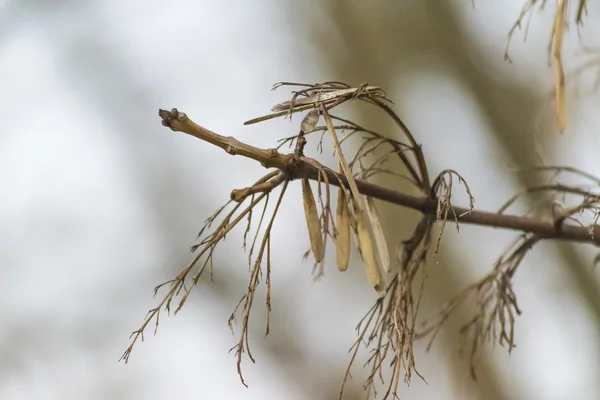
<point x="101" y="202"/>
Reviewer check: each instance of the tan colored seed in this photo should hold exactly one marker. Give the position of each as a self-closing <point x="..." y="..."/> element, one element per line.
<point x="342" y="239"/>
<point x="368" y="252"/>
<point x="378" y="235"/>
<point x="312" y="222"/>
<point x="309" y="122"/>
<point x="354" y="231"/>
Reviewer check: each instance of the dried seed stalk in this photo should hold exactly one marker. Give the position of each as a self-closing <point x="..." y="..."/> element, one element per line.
<point x="342" y="238"/>
<point x="312" y="222"/>
<point x="556" y="46"/>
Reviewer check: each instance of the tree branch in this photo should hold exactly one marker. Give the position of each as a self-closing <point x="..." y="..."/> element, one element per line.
<point x="296" y="167"/>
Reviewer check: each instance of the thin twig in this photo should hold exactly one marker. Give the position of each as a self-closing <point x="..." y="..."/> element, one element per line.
<point x="297" y="168"/>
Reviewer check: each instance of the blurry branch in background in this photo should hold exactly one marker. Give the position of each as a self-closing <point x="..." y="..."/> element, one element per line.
<point x="389" y="328"/>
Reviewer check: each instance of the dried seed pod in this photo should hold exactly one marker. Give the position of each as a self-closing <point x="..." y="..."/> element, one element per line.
<point x="342" y="239"/>
<point x="368" y="252"/>
<point x="352" y="219"/>
<point x="312" y="222"/>
<point x="309" y="122"/>
<point x="378" y="235"/>
<point x="354" y="230"/>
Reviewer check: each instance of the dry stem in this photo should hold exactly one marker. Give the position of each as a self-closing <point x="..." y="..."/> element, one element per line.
<point x="303" y="167"/>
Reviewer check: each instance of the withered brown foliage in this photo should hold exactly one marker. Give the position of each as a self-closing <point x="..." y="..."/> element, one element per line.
<point x="389" y="329"/>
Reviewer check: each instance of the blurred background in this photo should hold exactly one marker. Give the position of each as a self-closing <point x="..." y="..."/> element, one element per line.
<point x="101" y="203"/>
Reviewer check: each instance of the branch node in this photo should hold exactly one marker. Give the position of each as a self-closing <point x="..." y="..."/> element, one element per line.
<point x="230" y="150"/>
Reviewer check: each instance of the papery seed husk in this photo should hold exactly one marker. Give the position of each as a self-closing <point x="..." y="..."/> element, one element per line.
<point x="368" y="252"/>
<point x="378" y="235"/>
<point x="312" y="222"/>
<point x="352" y="219"/>
<point x="309" y="122"/>
<point x="354" y="231"/>
<point x="342" y="239"/>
